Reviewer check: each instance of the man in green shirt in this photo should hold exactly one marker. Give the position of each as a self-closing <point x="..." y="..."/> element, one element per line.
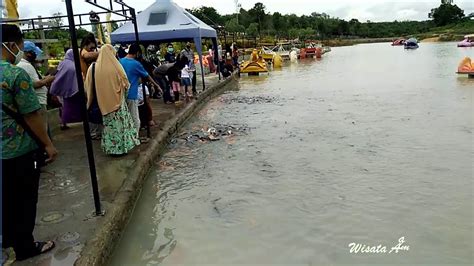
<point x="20" y="171"/>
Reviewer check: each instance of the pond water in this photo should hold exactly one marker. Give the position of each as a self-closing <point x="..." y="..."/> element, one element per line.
<point x="368" y="145"/>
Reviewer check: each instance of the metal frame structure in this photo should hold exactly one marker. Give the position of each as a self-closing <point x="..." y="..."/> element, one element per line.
<point x="122" y="12"/>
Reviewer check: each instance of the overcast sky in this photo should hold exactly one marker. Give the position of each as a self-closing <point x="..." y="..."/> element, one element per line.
<point x="374" y="10"/>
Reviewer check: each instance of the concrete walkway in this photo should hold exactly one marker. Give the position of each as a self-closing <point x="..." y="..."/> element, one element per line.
<point x="65" y="197"/>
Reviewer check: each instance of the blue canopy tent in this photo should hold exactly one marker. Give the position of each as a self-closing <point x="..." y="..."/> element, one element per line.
<point x="166" y="21"/>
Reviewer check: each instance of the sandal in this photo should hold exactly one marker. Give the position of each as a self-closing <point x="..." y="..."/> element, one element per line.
<point x="40" y="248"/>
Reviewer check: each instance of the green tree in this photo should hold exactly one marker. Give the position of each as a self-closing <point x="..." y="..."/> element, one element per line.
<point x="294" y="33"/>
<point x="252" y="30"/>
<point x="81" y="33"/>
<point x="258" y="13"/>
<point x="233" y="26"/>
<point x="446" y="14"/>
<point x="280" y="24"/>
<point x="306" y="34"/>
<point x="207" y="14"/>
<point x="56" y="21"/>
<point x="354" y="27"/>
<point x="244" y="18"/>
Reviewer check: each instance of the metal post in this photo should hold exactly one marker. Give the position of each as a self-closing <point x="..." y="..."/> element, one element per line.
<point x="80" y="83"/>
<point x="225" y="39"/>
<point x="137" y="41"/>
<point x="202" y="67"/>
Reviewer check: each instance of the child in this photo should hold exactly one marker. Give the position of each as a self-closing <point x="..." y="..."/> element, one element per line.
<point x="186" y="80"/>
<point x="145" y="111"/>
<point x="175" y="80"/>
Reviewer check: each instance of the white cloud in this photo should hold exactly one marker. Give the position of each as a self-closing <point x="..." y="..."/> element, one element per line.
<point x="407" y="14"/>
<point x="380" y="10"/>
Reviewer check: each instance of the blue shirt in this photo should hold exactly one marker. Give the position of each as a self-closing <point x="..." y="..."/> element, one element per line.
<point x="135" y="71"/>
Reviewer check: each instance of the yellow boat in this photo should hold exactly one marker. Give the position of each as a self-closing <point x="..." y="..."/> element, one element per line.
<point x="267" y="54"/>
<point x="255" y="65"/>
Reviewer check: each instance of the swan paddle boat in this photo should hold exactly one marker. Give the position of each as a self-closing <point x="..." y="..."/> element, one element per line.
<point x="467" y="42"/>
<point x="267" y="54"/>
<point x="411" y="43"/>
<point x="466" y="67"/>
<point x="399" y="42"/>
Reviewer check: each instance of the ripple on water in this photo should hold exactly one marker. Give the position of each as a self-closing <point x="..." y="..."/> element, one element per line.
<point x="331" y="158"/>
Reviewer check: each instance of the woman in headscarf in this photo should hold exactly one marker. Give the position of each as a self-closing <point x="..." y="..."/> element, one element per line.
<point x="107" y="82"/>
<point x="65" y="87"/>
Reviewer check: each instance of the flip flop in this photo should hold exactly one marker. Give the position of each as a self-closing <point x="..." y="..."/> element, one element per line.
<point x="39" y="249"/>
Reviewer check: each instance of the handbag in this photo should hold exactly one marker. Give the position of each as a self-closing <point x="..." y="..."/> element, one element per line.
<point x="40" y="155"/>
<point x="95" y="116"/>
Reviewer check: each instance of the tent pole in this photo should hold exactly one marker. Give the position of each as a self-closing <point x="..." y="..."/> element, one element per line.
<point x="85" y="117"/>
<point x="137" y="41"/>
<point x="200" y="60"/>
<point x="216" y="56"/>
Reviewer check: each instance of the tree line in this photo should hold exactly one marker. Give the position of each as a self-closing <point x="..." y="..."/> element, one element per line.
<point x="257" y="22"/>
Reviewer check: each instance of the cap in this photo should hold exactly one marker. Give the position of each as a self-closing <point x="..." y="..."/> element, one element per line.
<point x="31" y="47"/>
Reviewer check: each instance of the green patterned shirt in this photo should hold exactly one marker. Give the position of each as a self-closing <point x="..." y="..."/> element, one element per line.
<point x="19" y="95"/>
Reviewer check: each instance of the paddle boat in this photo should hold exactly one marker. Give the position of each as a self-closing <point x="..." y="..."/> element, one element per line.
<point x="398" y="42"/>
<point x="255" y="65"/>
<point x="411" y="43"/>
<point x="281" y="51"/>
<point x="467" y="42"/>
<point x="267" y="54"/>
<point x="466" y="67"/>
<point x="311" y="50"/>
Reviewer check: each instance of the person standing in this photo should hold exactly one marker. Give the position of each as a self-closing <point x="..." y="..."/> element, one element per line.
<point x="31" y="51"/>
<point x="107" y="83"/>
<point x="144" y="110"/>
<point x="21" y="118"/>
<point x="189" y="54"/>
<point x="170" y="56"/>
<point x="135" y="70"/>
<point x="88" y="55"/>
<point x="164" y="76"/>
<point x="186" y="80"/>
<point x="235" y="55"/>
<point x="65" y="86"/>
<point x="161" y="77"/>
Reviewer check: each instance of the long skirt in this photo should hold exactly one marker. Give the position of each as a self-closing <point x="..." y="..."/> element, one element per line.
<point x="119" y="135"/>
<point x="71" y="111"/>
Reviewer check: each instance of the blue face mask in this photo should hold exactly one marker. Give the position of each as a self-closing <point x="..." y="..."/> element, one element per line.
<point x="170" y="49"/>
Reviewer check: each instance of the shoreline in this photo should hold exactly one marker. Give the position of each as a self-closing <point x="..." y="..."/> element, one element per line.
<point x="101" y="245"/>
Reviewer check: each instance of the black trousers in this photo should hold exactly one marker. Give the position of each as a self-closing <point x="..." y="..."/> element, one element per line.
<point x="164" y="84"/>
<point x="194" y="82"/>
<point x="19" y="198"/>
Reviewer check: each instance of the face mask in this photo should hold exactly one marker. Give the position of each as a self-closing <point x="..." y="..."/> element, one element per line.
<point x="17" y="56"/>
<point x="189" y="47"/>
<point x="170" y="50"/>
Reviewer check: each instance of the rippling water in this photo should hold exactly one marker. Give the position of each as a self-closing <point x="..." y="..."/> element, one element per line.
<point x="370" y="144"/>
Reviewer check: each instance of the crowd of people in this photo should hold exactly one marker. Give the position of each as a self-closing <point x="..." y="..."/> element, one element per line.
<point x="114" y="91"/>
<point x="118" y="87"/>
